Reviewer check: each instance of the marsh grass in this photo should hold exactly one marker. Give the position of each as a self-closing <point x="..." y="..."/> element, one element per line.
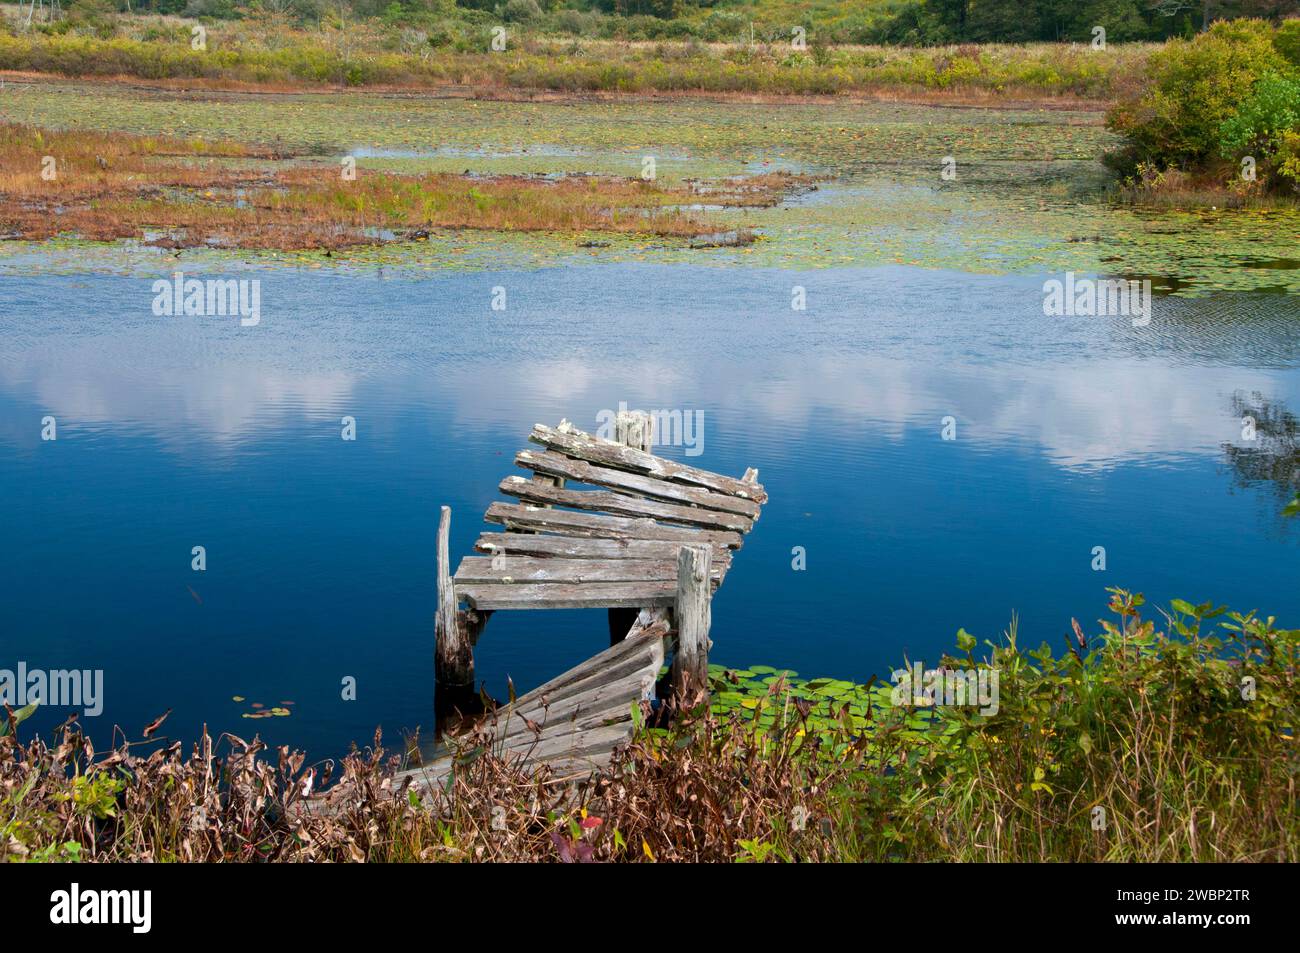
<point x="1184" y="737"/>
<point x="1215" y="187"/>
<point x="111" y="186"/>
<point x="367" y="53"/>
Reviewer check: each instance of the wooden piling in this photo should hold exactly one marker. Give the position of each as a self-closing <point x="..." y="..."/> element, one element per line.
<point x="692" y="617"/>
<point x="634" y="428"/>
<point x="453" y="656"/>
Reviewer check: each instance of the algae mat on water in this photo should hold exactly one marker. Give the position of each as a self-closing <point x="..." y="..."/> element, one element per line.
<point x="1028" y="194"/>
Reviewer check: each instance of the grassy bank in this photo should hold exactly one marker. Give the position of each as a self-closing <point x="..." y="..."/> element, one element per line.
<point x="1139" y="742"/>
<point x="371" y="53"/>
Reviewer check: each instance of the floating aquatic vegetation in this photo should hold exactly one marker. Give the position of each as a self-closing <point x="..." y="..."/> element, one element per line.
<point x="260" y="710"/>
<point x="1028" y="184"/>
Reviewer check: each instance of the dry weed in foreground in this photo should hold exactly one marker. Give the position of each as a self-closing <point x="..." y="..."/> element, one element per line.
<point x="1135" y="744"/>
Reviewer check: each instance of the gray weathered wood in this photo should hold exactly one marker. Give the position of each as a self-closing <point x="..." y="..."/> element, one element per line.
<point x="525" y="569"/>
<point x="635" y="428"/>
<point x="583" y="446"/>
<point x="453" y="657"/>
<point x="619" y="504"/>
<point x="583" y="714"/>
<point x="607" y="702"/>
<point x="580" y="471"/>
<point x="581" y="547"/>
<point x="692" y="615"/>
<point x="588" y="744"/>
<point x="622" y="685"/>
<point x="525" y="517"/>
<point x="646" y="637"/>
<point x="595" y="595"/>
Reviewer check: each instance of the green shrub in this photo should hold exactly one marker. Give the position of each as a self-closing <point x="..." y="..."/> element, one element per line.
<point x="1272" y="109"/>
<point x="1287" y="166"/>
<point x="1287" y="41"/>
<point x="1195" y="87"/>
<point x="521" y="11"/>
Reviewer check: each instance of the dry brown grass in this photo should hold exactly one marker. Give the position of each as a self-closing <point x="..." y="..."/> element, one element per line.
<point x="116" y="186"/>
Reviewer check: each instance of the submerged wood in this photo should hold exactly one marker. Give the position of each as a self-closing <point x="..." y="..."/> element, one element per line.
<point x="453" y="658"/>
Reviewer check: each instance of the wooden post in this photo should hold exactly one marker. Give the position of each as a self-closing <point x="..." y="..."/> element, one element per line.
<point x="632" y="428"/>
<point x="692" y="617"/>
<point x="635" y="428"/>
<point x="453" y="658"/>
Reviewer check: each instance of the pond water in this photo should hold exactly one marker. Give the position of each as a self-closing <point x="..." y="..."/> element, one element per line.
<point x="174" y="432"/>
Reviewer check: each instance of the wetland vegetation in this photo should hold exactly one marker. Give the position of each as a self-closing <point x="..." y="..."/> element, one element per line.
<point x="1136" y="742"/>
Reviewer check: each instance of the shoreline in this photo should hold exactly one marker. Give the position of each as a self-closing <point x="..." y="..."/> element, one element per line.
<point x="972" y="98"/>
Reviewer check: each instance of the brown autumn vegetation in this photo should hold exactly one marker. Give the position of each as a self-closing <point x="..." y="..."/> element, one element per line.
<point x="1139" y="743"/>
<point x="187" y="193"/>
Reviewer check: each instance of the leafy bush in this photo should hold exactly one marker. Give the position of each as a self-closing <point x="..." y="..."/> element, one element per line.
<point x="521" y="11"/>
<point x="1195" y="87"/>
<point x="1287" y="41"/>
<point x="1287" y="164"/>
<point x="1272" y="110"/>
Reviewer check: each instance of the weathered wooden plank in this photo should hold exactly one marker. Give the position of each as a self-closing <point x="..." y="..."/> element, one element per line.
<point x="581" y="547"/>
<point x="620" y="504"/>
<point x="525" y="569"/>
<point x="523" y="517"/>
<point x="596" y="595"/>
<point x="611" y="715"/>
<point x="583" y="446"/>
<point x="585" y="744"/>
<point x="574" y="708"/>
<point x="609" y="702"/>
<point x="650" y="630"/>
<point x="610" y="708"/>
<point x="565" y="468"/>
<point x="640" y="669"/>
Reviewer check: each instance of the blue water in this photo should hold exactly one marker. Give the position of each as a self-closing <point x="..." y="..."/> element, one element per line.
<point x="175" y="432"/>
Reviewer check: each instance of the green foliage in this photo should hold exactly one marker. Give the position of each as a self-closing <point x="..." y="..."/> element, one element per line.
<point x="1267" y="119"/>
<point x="521" y="11"/>
<point x="1087" y="752"/>
<point x="1227" y="93"/>
<point x="1287" y="41"/>
<point x="10" y="723"/>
